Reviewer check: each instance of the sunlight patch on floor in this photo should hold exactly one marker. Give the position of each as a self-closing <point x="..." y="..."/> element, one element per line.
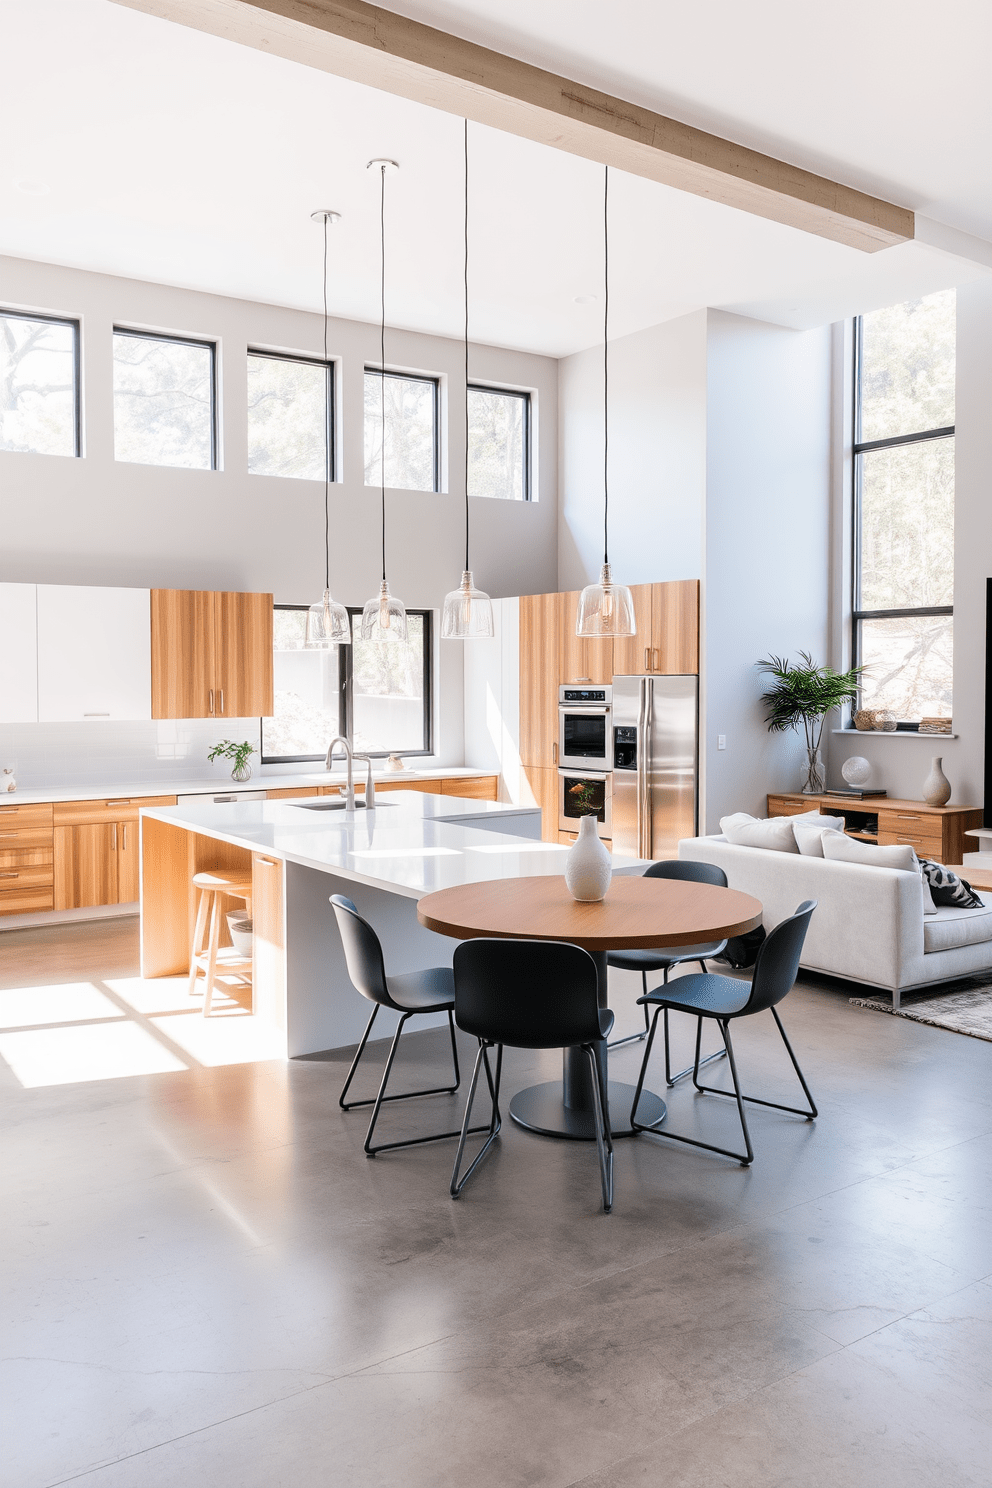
<point x="85" y="1051"/>
<point x="69" y="1002"/>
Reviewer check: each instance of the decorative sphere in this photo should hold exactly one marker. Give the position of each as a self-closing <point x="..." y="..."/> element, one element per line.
<point x="856" y="770"/>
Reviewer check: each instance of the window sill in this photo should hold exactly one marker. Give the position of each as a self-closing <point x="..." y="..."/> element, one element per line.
<point x="851" y="733"/>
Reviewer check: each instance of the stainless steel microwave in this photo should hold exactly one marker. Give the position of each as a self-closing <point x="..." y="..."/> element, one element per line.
<point x="585" y="726"/>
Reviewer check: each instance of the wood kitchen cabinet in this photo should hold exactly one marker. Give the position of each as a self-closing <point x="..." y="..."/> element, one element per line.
<point x="538" y="642"/>
<point x="667" y="639"/>
<point x="25" y="858"/>
<point x="211" y="654"/>
<point x="580" y="659"/>
<point x="96" y="851"/>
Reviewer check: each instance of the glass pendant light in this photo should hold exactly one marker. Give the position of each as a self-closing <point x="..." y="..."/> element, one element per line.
<point x="384" y="614"/>
<point x="467" y="613"/>
<point x="606" y="608"/>
<point x="327" y="621"/>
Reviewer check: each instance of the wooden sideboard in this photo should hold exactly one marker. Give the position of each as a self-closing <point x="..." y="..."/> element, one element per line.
<point x="936" y="832"/>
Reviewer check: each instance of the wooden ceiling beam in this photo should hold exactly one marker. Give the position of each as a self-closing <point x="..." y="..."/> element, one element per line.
<point x="396" y="55"/>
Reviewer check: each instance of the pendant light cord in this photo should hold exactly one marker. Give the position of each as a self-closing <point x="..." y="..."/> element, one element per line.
<point x="606" y="364"/>
<point x="382" y="355"/>
<point x="466" y="346"/>
<point x="327" y="447"/>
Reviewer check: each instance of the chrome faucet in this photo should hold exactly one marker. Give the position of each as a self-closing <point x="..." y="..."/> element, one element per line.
<point x="369" y="782"/>
<point x="349" y="796"/>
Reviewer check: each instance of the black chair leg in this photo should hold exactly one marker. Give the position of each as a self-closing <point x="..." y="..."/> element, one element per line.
<point x="694" y="1071"/>
<point x="377" y="1100"/>
<point x="809" y="1114"/>
<point x="670" y="1079"/>
<point x="604" y="1137"/>
<point x="635" y="1038"/>
<point x="495" y="1121"/>
<point x="382" y="1098"/>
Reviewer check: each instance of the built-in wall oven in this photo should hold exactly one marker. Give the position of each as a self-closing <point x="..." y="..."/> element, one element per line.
<point x="585" y="793"/>
<point x="585" y="727"/>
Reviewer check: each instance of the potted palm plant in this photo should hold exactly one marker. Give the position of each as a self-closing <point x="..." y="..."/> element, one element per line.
<point x="803" y="695"/>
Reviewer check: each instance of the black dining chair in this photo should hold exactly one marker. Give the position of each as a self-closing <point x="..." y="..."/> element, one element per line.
<point x="410" y="994"/>
<point x="723" y="999"/>
<point x="665" y="957"/>
<point x="531" y="994"/>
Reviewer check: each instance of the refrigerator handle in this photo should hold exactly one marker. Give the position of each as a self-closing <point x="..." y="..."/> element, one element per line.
<point x="643" y="816"/>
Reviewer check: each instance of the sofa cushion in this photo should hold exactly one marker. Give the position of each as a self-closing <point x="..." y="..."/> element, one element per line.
<point x="947" y="929"/>
<point x="808" y="836"/>
<point x="775" y="834"/>
<point x="849" y="850"/>
<point x="946" y="889"/>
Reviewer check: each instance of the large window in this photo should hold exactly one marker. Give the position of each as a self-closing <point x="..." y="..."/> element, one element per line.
<point x="904" y="507"/>
<point x="376" y="693"/>
<point x="290" y="421"/>
<point x="498" y="444"/>
<point x="164" y="401"/>
<point x="409" y="458"/>
<point x="39" y="384"/>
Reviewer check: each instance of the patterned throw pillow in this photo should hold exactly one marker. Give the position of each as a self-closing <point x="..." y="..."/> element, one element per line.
<point x="947" y="890"/>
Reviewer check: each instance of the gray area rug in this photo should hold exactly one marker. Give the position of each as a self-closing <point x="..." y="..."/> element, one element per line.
<point x="967" y="1012"/>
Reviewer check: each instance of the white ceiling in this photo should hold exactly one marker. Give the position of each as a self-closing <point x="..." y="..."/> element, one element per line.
<point x="134" y="146"/>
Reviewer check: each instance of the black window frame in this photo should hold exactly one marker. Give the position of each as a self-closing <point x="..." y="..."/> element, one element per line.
<point x="77" y="398"/>
<point x="137" y="335"/>
<point x="435" y="383"/>
<point x="861" y="447"/>
<point x="505" y="392"/>
<point x="331" y="429"/>
<point x="346" y="694"/>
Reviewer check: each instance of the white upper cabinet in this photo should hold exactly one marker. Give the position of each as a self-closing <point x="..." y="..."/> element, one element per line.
<point x="94" y="653"/>
<point x="18" y="653"/>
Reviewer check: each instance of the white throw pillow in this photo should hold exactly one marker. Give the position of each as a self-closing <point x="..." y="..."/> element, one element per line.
<point x="808" y="835"/>
<point x="775" y="834"/>
<point x="899" y="855"/>
<point x="850" y="850"/>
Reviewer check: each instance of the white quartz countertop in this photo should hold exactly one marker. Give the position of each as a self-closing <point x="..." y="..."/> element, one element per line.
<point x="411" y="844"/>
<point x="217" y="785"/>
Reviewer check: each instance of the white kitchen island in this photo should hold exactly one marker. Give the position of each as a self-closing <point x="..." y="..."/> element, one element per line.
<point x="301" y="852"/>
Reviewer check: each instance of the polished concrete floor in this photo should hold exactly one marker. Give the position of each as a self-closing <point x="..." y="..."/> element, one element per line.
<point x="206" y="1283"/>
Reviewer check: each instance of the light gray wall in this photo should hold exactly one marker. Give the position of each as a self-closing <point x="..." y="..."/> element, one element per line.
<point x="94" y="521"/>
<point x="657" y="456"/>
<point x="901" y="764"/>
<point x="766" y="560"/>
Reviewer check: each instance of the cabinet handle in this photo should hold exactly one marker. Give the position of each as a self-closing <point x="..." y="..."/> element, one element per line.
<point x="554" y="754"/>
<point x="10" y="834"/>
<point x="655" y="665"/>
<point x="113" y="840"/>
<point x="8" y="810"/>
<point x="117" y="803"/>
<point x="906" y="816"/>
<point x="220" y="695"/>
<point x="268" y="862"/>
<point x="124" y="830"/>
<point x="211" y="700"/>
<point x="10" y="875"/>
<point x="96" y="715"/>
<point x="647" y="658"/>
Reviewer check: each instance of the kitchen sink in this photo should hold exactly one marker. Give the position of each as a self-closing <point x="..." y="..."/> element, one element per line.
<point x="338" y="805"/>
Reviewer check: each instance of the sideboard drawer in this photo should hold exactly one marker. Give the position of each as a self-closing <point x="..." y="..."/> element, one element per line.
<point x="30" y="900"/>
<point x="37" y="815"/>
<point x="26" y="878"/>
<point x="18" y="837"/>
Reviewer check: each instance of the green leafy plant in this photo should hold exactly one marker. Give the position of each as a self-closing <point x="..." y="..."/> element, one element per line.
<point x="239" y="753"/>
<point x="803" y="695"/>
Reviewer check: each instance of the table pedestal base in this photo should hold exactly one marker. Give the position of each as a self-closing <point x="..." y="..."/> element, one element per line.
<point x="541" y="1109"/>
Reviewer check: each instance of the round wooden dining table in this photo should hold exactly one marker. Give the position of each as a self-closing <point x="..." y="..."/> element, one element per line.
<point x="637" y="913"/>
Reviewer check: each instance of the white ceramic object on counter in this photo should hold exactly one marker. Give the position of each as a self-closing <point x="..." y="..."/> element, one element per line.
<point x="9" y="780"/>
<point x="588" y="867"/>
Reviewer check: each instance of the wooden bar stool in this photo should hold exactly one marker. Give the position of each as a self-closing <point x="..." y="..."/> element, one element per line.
<point x="211" y="887"/>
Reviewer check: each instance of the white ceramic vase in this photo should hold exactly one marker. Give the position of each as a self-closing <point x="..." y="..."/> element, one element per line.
<point x="936" y="787"/>
<point x="588" y="867"/>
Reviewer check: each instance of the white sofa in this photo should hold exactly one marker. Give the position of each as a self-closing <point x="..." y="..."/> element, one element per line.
<point x="869" y="925"/>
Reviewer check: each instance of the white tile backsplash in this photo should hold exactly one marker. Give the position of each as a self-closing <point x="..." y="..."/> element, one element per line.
<point x="57" y="755"/>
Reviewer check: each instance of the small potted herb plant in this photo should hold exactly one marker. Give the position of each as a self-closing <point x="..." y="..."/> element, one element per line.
<point x="240" y="753"/>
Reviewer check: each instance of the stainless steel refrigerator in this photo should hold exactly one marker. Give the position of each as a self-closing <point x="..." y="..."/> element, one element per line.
<point x="655" y="764"/>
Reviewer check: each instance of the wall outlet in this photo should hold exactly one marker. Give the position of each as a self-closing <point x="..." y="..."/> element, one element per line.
<point x="721" y="741"/>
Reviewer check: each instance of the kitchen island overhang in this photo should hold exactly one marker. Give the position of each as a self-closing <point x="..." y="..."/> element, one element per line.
<point x="385" y="860"/>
